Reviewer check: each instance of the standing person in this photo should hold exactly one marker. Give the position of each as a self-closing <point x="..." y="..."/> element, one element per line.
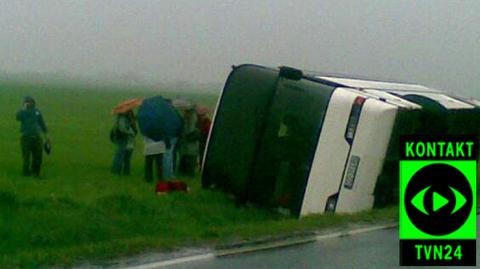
<point x="123" y="136"/>
<point x="169" y="158"/>
<point x="153" y="152"/>
<point x="204" y="124"/>
<point x="189" y="145"/>
<point x="32" y="128"/>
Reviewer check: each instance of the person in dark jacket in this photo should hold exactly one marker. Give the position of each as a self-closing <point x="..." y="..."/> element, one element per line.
<point x="32" y="128"/>
<point x="125" y="130"/>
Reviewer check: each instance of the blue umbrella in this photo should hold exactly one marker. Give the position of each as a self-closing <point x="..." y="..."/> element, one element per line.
<point x="158" y="119"/>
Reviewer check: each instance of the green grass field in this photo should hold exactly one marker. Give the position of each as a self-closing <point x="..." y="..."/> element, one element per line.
<point x="79" y="211"/>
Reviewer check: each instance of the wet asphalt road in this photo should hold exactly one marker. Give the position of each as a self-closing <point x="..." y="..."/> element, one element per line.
<point x="377" y="249"/>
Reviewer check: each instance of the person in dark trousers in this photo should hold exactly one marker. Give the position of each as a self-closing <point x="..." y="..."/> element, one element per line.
<point x="124" y="132"/>
<point x="154" y="151"/>
<point x="32" y="128"/>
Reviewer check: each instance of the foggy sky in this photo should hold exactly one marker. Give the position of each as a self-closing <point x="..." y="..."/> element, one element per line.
<point x="430" y="42"/>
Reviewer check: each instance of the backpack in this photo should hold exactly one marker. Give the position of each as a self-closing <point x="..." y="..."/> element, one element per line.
<point x="116" y="135"/>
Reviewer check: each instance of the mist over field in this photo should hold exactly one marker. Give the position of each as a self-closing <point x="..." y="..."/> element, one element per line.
<point x="175" y="44"/>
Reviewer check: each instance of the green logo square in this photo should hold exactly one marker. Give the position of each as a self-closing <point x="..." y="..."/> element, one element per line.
<point x="438" y="199"/>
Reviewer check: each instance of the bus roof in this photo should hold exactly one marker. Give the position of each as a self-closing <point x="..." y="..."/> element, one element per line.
<point x="379" y="85"/>
<point x="394" y="91"/>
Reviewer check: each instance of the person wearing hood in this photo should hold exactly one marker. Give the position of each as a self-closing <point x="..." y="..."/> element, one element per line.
<point x="32" y="128"/>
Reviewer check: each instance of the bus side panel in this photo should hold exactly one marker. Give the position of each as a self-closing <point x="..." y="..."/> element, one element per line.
<point x="331" y="153"/>
<point x="367" y="157"/>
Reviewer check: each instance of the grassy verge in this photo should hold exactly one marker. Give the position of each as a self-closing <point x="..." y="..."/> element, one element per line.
<point x="58" y="226"/>
<point x="79" y="211"/>
<point x="42" y="224"/>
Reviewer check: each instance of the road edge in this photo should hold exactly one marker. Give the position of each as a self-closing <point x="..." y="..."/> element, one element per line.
<point x="249" y="247"/>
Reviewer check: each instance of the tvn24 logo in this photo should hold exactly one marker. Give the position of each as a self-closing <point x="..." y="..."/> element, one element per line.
<point x="438" y="200"/>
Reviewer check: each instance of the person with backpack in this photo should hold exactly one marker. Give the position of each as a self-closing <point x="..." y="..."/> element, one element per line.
<point x="32" y="128"/>
<point x="123" y="137"/>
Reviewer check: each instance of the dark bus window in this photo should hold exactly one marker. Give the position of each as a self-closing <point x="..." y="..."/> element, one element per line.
<point x="288" y="144"/>
<point x="235" y="134"/>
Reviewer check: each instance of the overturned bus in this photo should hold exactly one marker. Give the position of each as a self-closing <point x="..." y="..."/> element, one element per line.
<point x="314" y="143"/>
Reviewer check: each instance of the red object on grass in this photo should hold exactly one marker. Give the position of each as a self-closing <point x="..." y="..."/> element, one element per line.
<point x="162" y="187"/>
